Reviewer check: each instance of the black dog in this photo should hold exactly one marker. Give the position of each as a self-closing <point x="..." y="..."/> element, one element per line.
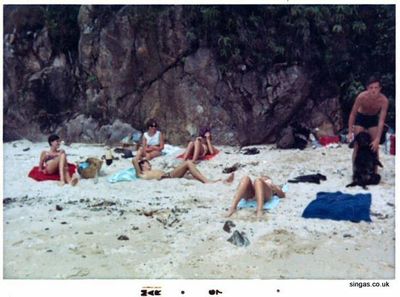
<point x="365" y="163"/>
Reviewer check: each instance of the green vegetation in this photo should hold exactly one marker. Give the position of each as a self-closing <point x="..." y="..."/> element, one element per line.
<point x="342" y="45"/>
<point x="62" y="22"/>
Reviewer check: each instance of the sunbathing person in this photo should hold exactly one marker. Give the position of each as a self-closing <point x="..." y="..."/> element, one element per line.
<point x="144" y="170"/>
<point x="153" y="140"/>
<point x="200" y="147"/>
<point x="262" y="190"/>
<point x="56" y="160"/>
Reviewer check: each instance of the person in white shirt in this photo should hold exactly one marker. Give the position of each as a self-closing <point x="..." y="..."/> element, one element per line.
<point x="153" y="140"/>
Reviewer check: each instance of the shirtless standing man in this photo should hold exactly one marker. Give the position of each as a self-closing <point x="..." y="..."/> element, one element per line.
<point x="369" y="114"/>
<point x="144" y="170"/>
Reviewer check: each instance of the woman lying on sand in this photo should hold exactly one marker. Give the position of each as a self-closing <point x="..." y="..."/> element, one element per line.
<point x="56" y="159"/>
<point x="143" y="170"/>
<point x="262" y="189"/>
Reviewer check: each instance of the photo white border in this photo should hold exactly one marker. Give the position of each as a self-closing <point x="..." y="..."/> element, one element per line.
<point x="192" y="288"/>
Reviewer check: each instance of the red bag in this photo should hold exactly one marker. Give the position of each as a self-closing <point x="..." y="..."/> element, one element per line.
<point x="325" y="140"/>
<point x="393" y="144"/>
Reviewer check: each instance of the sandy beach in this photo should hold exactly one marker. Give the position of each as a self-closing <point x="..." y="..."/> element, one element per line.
<point x="173" y="228"/>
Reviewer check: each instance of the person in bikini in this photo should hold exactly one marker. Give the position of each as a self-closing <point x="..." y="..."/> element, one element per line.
<point x="262" y="190"/>
<point x="200" y="147"/>
<point x="56" y="160"/>
<point x="144" y="170"/>
<point x="368" y="114"/>
<point x="153" y="140"/>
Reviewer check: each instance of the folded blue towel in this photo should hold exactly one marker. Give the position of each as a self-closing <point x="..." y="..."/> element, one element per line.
<point x="123" y="175"/>
<point x="339" y="206"/>
<point x="270" y="204"/>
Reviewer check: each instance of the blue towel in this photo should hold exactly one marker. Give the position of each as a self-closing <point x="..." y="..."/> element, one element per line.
<point x="270" y="204"/>
<point x="123" y="175"/>
<point x="340" y="206"/>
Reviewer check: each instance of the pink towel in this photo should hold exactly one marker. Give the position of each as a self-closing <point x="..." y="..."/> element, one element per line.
<point x="206" y="157"/>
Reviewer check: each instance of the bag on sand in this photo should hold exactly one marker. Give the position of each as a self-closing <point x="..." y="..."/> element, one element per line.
<point x="90" y="167"/>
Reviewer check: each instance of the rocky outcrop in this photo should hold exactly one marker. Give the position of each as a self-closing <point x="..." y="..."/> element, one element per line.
<point x="131" y="66"/>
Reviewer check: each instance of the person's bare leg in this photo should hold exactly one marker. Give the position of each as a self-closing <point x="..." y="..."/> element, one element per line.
<point x="152" y="155"/>
<point x="198" y="150"/>
<point x="262" y="190"/>
<point x="244" y="190"/>
<point x="65" y="177"/>
<point x="61" y="166"/>
<point x="230" y="178"/>
<point x="189" y="151"/>
<point x="186" y="166"/>
<point x="180" y="171"/>
<point x="140" y="153"/>
<point x="53" y="165"/>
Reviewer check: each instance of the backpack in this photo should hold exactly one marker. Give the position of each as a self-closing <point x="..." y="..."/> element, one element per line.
<point x="90" y="168"/>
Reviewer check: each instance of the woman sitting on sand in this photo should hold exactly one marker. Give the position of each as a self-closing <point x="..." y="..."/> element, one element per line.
<point x="56" y="159"/>
<point x="200" y="147"/>
<point x="262" y="189"/>
<point x="153" y="140"/>
<point x="144" y="170"/>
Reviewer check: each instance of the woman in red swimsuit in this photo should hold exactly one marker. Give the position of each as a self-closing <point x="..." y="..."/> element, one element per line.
<point x="56" y="159"/>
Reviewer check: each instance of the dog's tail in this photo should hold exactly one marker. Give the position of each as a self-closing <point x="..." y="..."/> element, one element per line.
<point x="353" y="184"/>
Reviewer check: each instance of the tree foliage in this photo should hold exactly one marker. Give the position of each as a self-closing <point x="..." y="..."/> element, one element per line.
<point x="342" y="45"/>
<point x="62" y="22"/>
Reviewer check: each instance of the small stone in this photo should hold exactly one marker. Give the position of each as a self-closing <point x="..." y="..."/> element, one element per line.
<point x="8" y="201"/>
<point x="123" y="237"/>
<point x="239" y="239"/>
<point x="228" y="225"/>
<point x="59" y="208"/>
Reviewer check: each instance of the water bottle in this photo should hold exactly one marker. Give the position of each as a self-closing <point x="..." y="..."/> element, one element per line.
<point x="109" y="157"/>
<point x="96" y="177"/>
<point x="387" y="143"/>
<point x="314" y="141"/>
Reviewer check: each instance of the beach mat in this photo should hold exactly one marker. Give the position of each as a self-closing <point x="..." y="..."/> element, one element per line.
<point x="40" y="176"/>
<point x="340" y="207"/>
<point x="268" y="205"/>
<point x="123" y="175"/>
<point x="206" y="157"/>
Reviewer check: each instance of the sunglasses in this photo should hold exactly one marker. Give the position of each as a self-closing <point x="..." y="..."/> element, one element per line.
<point x="154" y="126"/>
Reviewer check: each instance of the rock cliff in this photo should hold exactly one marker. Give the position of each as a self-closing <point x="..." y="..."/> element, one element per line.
<point x="129" y="68"/>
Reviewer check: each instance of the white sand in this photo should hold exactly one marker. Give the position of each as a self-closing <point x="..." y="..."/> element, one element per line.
<point x="184" y="238"/>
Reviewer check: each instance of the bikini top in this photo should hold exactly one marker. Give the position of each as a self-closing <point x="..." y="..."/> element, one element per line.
<point x="49" y="157"/>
